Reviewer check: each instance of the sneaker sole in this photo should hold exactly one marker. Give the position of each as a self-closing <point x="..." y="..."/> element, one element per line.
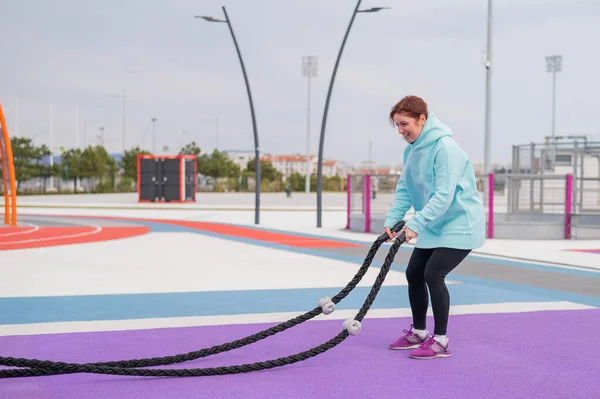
<point x="439" y="356"/>
<point x="402" y="348"/>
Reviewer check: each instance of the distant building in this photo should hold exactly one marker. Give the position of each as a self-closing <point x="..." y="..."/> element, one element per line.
<point x="240" y="157"/>
<point x="288" y="164"/>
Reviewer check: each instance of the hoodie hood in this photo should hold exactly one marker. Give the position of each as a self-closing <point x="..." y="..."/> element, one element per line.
<point x="433" y="130"/>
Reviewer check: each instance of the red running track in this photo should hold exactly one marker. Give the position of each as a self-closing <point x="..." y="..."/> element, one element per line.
<point x="53" y="236"/>
<point x="262" y="235"/>
<point x="293" y="240"/>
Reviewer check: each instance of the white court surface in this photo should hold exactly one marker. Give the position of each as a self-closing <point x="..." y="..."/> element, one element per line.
<point x="333" y="222"/>
<point x="269" y="201"/>
<point x="201" y="263"/>
<point x="193" y="262"/>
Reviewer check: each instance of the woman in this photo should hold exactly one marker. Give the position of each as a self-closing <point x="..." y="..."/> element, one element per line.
<point x="439" y="182"/>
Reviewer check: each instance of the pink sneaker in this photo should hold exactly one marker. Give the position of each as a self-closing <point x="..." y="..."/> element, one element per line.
<point x="431" y="349"/>
<point x="409" y="340"/>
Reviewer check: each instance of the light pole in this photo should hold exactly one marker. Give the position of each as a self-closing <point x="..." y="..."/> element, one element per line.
<point x="370" y="158"/>
<point x="216" y="121"/>
<point x="77" y="124"/>
<point x="553" y="65"/>
<point x="323" y="124"/>
<point x="153" y="136"/>
<point x="85" y="125"/>
<point x="309" y="70"/>
<point x="256" y="146"/>
<point x="101" y="137"/>
<point x="17" y="115"/>
<point x="488" y="93"/>
<point x="51" y="142"/>
<point x="123" y="96"/>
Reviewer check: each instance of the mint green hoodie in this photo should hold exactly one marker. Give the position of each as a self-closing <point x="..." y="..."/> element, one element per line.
<point x="438" y="180"/>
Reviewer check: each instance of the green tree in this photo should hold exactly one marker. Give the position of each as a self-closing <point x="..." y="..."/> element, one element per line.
<point x="98" y="165"/>
<point x="334" y="183"/>
<point x="190" y="149"/>
<point x="129" y="162"/>
<point x="267" y="170"/>
<point x="71" y="165"/>
<point x="44" y="170"/>
<point x="217" y="165"/>
<point x="24" y="156"/>
<point x="297" y="181"/>
<point x="27" y="160"/>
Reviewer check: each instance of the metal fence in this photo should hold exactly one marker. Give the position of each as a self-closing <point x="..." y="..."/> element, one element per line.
<point x="523" y="197"/>
<point x="560" y="157"/>
<point x="548" y="162"/>
<point x="356" y="194"/>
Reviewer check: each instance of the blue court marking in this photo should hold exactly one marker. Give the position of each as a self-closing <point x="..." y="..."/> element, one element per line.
<point x="510" y="288"/>
<point x="25" y="310"/>
<point x="132" y="306"/>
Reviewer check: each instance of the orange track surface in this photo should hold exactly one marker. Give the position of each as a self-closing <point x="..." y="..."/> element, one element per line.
<point x="13" y="230"/>
<point x="268" y="236"/>
<point x="228" y="230"/>
<point x="52" y="236"/>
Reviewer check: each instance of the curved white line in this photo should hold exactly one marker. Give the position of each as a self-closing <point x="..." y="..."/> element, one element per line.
<point x="16" y="233"/>
<point x="96" y="230"/>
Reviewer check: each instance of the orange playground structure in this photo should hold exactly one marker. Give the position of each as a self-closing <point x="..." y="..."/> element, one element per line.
<point x="8" y="174"/>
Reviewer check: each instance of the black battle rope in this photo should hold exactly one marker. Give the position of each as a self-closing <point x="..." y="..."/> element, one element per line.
<point x="41" y="368"/>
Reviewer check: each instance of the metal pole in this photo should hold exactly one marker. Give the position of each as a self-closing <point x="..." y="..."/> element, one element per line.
<point x="51" y="143"/>
<point x="307" y="182"/>
<point x="323" y="124"/>
<point x="531" y="180"/>
<point x="77" y="124"/>
<point x="309" y="69"/>
<point x="217" y="131"/>
<point x="488" y="66"/>
<point x="123" y="122"/>
<point x="123" y="96"/>
<point x="102" y="136"/>
<point x="553" y="116"/>
<point x="256" y="146"/>
<point x="553" y="64"/>
<point x="487" y="140"/>
<point x="17" y="116"/>
<point x="154" y="136"/>
<point x="581" y="175"/>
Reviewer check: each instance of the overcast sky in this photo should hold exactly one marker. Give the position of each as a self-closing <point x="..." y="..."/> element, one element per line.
<point x="185" y="71"/>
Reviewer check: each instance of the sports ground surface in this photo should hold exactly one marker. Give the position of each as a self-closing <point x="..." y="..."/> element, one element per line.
<point x="85" y="286"/>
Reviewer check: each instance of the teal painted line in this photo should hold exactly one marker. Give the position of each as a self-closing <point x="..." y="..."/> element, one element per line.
<point x="26" y="310"/>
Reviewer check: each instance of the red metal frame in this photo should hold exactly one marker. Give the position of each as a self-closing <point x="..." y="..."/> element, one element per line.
<point x="181" y="176"/>
<point x="568" y="205"/>
<point x="349" y="199"/>
<point x="491" y="190"/>
<point x="367" y="203"/>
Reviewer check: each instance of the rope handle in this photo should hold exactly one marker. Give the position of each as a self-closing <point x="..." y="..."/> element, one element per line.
<point x="395" y="229"/>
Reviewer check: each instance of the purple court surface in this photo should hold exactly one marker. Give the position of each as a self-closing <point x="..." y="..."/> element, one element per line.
<point x="549" y="354"/>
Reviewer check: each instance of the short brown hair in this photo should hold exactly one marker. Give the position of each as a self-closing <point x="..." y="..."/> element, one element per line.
<point x="412" y="106"/>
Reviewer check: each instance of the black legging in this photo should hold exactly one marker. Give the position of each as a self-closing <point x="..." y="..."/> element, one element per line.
<point x="428" y="268"/>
